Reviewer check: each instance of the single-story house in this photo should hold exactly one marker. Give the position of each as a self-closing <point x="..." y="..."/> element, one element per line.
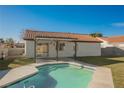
<point x="112" y="41"/>
<point x="112" y="45"/>
<point x="105" y="42"/>
<point x="42" y="44"/>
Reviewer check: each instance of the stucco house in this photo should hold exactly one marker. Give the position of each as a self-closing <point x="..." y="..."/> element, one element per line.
<point x="42" y="44"/>
<point x="105" y="42"/>
<point x="112" y="45"/>
<point x="112" y="41"/>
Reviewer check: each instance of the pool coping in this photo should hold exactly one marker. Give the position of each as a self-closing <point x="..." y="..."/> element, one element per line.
<point x="99" y="79"/>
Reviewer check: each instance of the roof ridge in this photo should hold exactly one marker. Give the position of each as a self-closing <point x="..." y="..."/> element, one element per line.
<point x="116" y="36"/>
<point x="56" y="32"/>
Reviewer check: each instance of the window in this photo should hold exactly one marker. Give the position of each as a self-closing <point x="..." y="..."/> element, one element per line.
<point x="41" y="49"/>
<point x="61" y="46"/>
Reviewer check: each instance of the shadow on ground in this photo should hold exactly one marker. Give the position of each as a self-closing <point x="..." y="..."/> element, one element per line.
<point x="4" y="64"/>
<point x="100" y="61"/>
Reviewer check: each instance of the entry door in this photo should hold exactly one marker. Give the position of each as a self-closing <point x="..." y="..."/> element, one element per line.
<point x="42" y="50"/>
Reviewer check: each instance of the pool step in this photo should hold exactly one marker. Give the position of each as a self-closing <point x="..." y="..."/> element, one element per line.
<point x="27" y="84"/>
<point x="49" y="69"/>
<point x="32" y="86"/>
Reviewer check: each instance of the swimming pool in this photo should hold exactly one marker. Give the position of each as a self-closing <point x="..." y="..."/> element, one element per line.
<point x="57" y="76"/>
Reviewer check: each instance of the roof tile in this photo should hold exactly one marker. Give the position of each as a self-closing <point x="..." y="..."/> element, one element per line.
<point x="30" y="35"/>
<point x="114" y="39"/>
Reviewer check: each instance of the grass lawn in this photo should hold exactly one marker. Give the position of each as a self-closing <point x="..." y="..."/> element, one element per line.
<point x="115" y="63"/>
<point x="15" y="62"/>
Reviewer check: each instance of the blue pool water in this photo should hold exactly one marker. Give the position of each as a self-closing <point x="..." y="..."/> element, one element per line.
<point x="57" y="76"/>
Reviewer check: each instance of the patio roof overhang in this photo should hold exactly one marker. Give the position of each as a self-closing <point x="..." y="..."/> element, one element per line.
<point x="55" y="38"/>
<point x="59" y="39"/>
<point x="64" y="39"/>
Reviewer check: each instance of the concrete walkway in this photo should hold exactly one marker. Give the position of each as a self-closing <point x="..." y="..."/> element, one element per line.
<point x="102" y="77"/>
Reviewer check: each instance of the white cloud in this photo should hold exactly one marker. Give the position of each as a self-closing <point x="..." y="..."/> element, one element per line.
<point x="118" y="24"/>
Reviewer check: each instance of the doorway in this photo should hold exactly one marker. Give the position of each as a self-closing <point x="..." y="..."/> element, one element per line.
<point x="42" y="50"/>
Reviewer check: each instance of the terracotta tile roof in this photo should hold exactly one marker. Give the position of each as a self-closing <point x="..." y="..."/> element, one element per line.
<point x="113" y="39"/>
<point x="116" y="39"/>
<point x="30" y="35"/>
<point x="103" y="38"/>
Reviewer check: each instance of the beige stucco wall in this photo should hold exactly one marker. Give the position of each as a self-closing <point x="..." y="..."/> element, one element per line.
<point x="83" y="49"/>
<point x="89" y="49"/>
<point x="121" y="45"/>
<point x="118" y="44"/>
<point x="29" y="48"/>
<point x="67" y="52"/>
<point x="106" y="44"/>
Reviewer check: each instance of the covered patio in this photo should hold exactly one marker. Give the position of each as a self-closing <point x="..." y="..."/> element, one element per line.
<point x="42" y="47"/>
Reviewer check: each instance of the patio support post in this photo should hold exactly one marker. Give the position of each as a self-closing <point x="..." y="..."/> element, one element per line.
<point x="75" y="55"/>
<point x="57" y="49"/>
<point x="35" y="50"/>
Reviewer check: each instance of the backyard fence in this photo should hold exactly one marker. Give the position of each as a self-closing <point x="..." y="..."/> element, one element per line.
<point x="3" y="51"/>
<point x="11" y="52"/>
<point x="112" y="51"/>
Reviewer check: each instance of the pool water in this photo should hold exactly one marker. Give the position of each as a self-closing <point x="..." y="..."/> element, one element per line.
<point x="57" y="76"/>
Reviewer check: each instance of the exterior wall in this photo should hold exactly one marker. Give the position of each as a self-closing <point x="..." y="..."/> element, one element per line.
<point x="83" y="49"/>
<point x="118" y="44"/>
<point x="89" y="49"/>
<point x="52" y="49"/>
<point x="67" y="52"/>
<point x="121" y="45"/>
<point x="106" y="44"/>
<point x="29" y="48"/>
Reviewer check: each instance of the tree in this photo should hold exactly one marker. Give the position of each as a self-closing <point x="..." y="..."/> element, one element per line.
<point x="1" y="40"/>
<point x="9" y="42"/>
<point x="96" y="34"/>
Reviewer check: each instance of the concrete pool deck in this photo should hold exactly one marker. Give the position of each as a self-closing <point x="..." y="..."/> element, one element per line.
<point x="17" y="74"/>
<point x="102" y="77"/>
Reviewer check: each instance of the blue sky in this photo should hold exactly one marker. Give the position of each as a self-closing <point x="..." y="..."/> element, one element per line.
<point x="108" y="20"/>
